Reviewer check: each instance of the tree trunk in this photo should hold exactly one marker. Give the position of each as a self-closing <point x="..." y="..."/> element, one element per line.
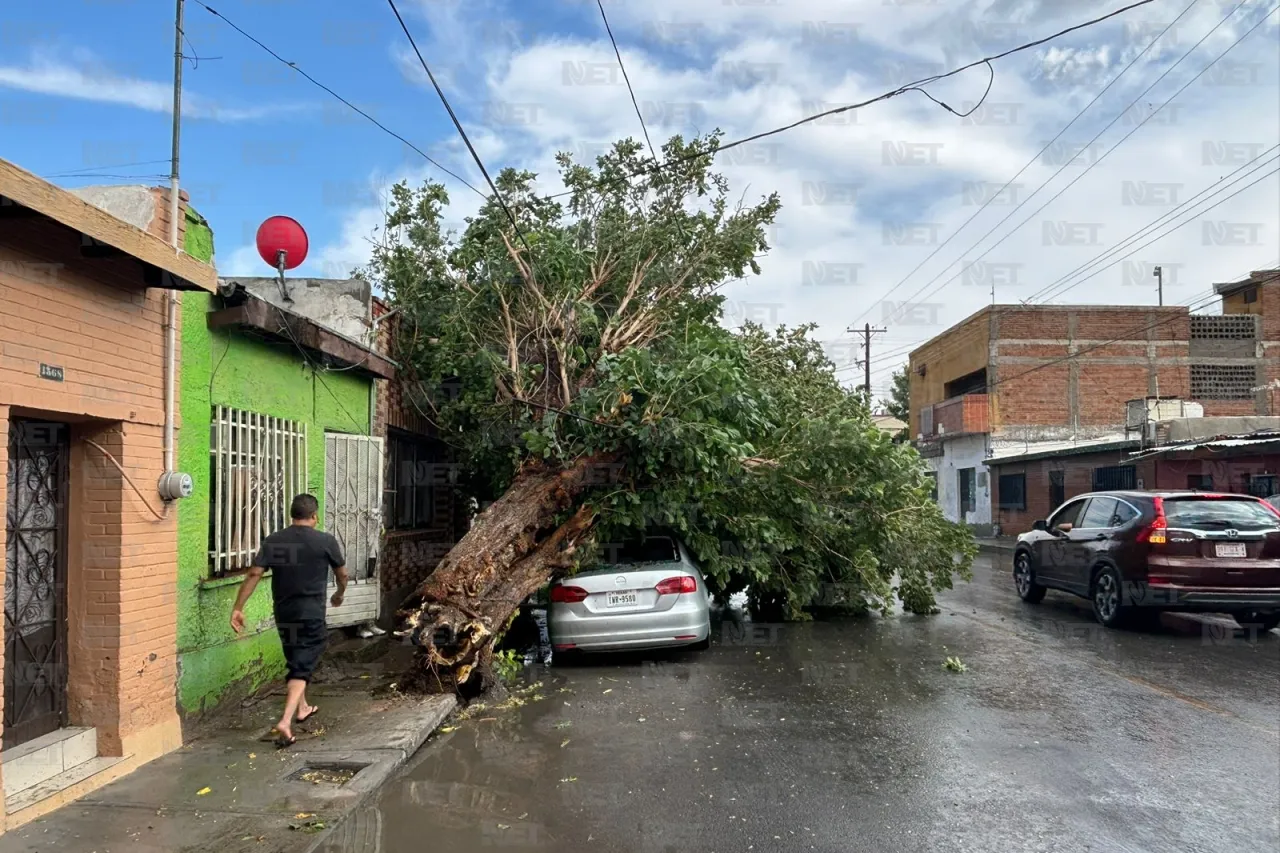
<point x="513" y="548"/>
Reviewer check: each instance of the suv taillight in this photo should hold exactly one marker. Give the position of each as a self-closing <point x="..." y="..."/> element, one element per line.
<point x="568" y="594"/>
<point x="677" y="585"/>
<point x="1157" y="531"/>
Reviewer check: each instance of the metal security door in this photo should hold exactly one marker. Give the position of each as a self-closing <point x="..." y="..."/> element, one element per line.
<point x="353" y="513"/>
<point x="35" y="555"/>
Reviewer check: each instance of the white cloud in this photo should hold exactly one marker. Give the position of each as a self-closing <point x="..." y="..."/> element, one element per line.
<point x="85" y="79"/>
<point x="837" y="255"/>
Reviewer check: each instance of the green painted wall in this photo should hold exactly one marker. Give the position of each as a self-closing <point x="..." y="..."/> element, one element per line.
<point x="222" y="367"/>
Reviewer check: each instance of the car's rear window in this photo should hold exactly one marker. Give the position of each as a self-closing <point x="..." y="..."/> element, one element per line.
<point x="653" y="549"/>
<point x="1219" y="513"/>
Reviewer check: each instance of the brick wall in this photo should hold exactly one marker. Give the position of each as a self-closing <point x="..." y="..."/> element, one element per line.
<point x="107" y="338"/>
<point x="1077" y="472"/>
<point x="91" y="318"/>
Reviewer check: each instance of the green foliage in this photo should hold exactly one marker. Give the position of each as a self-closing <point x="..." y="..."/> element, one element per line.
<point x="899" y="402"/>
<point x="601" y="337"/>
<point x="954" y="664"/>
<point x="507" y="665"/>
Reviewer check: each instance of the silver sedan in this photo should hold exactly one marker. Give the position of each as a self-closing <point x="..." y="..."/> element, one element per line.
<point x="647" y="595"/>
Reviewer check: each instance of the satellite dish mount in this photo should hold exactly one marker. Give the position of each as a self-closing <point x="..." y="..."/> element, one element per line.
<point x="282" y="243"/>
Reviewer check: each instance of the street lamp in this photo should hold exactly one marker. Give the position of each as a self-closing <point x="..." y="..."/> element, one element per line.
<point x="1159" y="274"/>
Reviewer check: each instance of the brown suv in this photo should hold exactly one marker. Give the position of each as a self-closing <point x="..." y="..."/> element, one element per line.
<point x="1132" y="553"/>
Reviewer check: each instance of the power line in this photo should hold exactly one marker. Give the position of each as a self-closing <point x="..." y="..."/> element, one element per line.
<point x="1056" y="288"/>
<point x="1199" y="300"/>
<point x="993" y="196"/>
<point x="89" y="169"/>
<point x="334" y="94"/>
<point x="626" y="79"/>
<point x="1105" y="154"/>
<point x="909" y="87"/>
<point x="1146" y="230"/>
<point x="458" y="125"/>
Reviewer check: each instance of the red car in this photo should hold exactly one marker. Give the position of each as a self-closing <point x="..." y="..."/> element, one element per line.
<point x="1137" y="553"/>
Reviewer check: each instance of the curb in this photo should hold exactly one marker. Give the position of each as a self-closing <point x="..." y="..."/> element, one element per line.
<point x="995" y="548"/>
<point x="382" y="763"/>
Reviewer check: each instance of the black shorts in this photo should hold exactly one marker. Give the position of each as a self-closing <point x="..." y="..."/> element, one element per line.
<point x="303" y="642"/>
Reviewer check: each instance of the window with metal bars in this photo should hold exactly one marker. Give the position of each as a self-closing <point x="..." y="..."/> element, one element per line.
<point x="1013" y="491"/>
<point x="257" y="464"/>
<point x="1113" y="477"/>
<point x="417" y="472"/>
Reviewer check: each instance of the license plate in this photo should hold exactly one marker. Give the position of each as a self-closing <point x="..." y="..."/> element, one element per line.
<point x="1231" y="549"/>
<point x="621" y="599"/>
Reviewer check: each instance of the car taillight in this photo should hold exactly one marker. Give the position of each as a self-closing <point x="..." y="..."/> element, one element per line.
<point x="1157" y="531"/>
<point x="568" y="594"/>
<point x="677" y="585"/>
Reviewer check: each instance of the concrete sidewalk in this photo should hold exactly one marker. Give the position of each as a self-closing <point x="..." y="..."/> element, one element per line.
<point x="229" y="791"/>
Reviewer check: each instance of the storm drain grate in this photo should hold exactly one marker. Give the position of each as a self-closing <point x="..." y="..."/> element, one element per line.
<point x="329" y="773"/>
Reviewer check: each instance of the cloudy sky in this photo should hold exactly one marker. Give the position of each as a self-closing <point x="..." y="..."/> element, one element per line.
<point x="900" y="214"/>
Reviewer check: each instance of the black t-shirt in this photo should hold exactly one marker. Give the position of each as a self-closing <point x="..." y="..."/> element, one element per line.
<point x="299" y="558"/>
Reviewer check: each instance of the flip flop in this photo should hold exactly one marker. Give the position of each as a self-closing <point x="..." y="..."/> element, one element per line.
<point x="283" y="742"/>
<point x="315" y="709"/>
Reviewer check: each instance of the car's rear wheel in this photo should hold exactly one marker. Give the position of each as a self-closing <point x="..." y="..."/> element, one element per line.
<point x="1025" y="580"/>
<point x="1265" y="620"/>
<point x="1107" y="596"/>
<point x="702" y="645"/>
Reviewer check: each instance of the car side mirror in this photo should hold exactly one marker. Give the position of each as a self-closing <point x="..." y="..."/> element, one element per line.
<point x="1039" y="524"/>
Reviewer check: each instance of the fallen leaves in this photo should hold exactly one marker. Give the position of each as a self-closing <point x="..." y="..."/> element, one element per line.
<point x="955" y="665"/>
<point x="564" y="743"/>
<point x="203" y="791"/>
<point x="570" y="779"/>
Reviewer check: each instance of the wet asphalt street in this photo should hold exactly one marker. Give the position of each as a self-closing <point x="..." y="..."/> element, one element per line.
<point x="1060" y="736"/>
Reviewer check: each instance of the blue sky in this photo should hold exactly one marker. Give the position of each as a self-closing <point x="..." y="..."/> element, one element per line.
<point x="85" y="88"/>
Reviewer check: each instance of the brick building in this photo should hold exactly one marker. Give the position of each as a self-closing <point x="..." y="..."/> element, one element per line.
<point x="90" y="612"/>
<point x="422" y="515"/>
<point x="1022" y="375"/>
<point x="1030" y="486"/>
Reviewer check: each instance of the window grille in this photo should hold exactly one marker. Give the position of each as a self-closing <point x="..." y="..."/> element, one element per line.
<point x="257" y="464"/>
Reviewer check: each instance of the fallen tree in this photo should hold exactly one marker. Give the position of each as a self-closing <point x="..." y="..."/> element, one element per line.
<point x="578" y="367"/>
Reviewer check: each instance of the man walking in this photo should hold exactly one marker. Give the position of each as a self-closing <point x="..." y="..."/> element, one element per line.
<point x="299" y="557"/>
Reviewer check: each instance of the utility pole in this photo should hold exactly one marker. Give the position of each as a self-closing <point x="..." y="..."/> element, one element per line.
<point x="867" y="331"/>
<point x="177" y="122"/>
<point x="171" y="298"/>
<point x="1158" y="272"/>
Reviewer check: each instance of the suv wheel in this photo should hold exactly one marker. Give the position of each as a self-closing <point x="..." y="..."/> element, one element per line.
<point x="1024" y="579"/>
<point x="1107" y="596"/>
<point x="1265" y="620"/>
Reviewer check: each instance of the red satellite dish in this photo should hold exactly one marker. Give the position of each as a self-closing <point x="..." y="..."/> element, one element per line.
<point x="282" y="234"/>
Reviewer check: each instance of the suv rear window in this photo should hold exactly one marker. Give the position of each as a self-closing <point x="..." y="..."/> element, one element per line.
<point x="1219" y="514"/>
<point x="653" y="549"/>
